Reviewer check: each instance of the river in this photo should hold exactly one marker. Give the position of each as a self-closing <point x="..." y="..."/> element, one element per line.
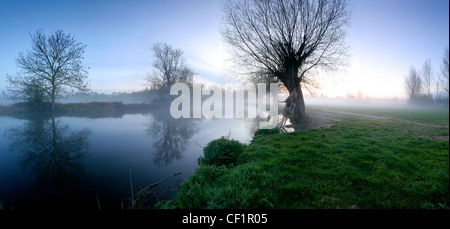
<point x="86" y="162"/>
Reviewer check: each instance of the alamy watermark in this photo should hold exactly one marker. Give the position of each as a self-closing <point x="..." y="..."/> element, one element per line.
<point x="228" y="103"/>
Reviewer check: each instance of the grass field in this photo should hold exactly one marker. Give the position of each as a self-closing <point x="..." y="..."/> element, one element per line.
<point x="431" y="115"/>
<point x="360" y="162"/>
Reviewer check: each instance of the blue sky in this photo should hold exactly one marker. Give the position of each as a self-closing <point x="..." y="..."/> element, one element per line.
<point x="385" y="38"/>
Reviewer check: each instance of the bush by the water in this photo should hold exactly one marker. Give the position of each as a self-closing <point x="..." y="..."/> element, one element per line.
<point x="264" y="132"/>
<point x="221" y="151"/>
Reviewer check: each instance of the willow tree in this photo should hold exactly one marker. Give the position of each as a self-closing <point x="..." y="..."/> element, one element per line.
<point x="288" y="40"/>
<point x="51" y="68"/>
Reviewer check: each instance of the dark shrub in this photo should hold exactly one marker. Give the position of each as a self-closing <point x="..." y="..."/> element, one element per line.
<point x="221" y="152"/>
<point x="264" y="132"/>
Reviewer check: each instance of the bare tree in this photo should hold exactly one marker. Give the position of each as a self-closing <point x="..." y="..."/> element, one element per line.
<point x="169" y="68"/>
<point x="427" y="75"/>
<point x="444" y="79"/>
<point x="350" y="95"/>
<point x="287" y="40"/>
<point x="50" y="69"/>
<point x="438" y="92"/>
<point x="26" y="89"/>
<point x="359" y="95"/>
<point x="413" y="84"/>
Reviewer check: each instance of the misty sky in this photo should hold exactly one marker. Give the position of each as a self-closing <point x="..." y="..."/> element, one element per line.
<point x="385" y="38"/>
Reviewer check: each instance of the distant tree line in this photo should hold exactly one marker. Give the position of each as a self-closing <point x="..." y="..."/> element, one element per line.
<point x="142" y="96"/>
<point x="426" y="88"/>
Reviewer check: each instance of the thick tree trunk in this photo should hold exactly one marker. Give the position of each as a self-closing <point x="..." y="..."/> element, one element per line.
<point x="295" y="104"/>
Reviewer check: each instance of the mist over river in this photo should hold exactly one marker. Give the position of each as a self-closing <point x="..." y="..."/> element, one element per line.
<point x="84" y="162"/>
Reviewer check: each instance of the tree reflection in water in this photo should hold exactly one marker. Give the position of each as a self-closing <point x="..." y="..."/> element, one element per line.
<point x="171" y="134"/>
<point x="50" y="150"/>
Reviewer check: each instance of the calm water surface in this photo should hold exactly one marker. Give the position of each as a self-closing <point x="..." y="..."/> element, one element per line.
<point x="66" y="162"/>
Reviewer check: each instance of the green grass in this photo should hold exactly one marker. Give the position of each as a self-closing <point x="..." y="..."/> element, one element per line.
<point x="431" y="115"/>
<point x="358" y="163"/>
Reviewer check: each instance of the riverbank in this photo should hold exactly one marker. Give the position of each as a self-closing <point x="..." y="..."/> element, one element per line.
<point x="91" y="109"/>
<point x="356" y="162"/>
